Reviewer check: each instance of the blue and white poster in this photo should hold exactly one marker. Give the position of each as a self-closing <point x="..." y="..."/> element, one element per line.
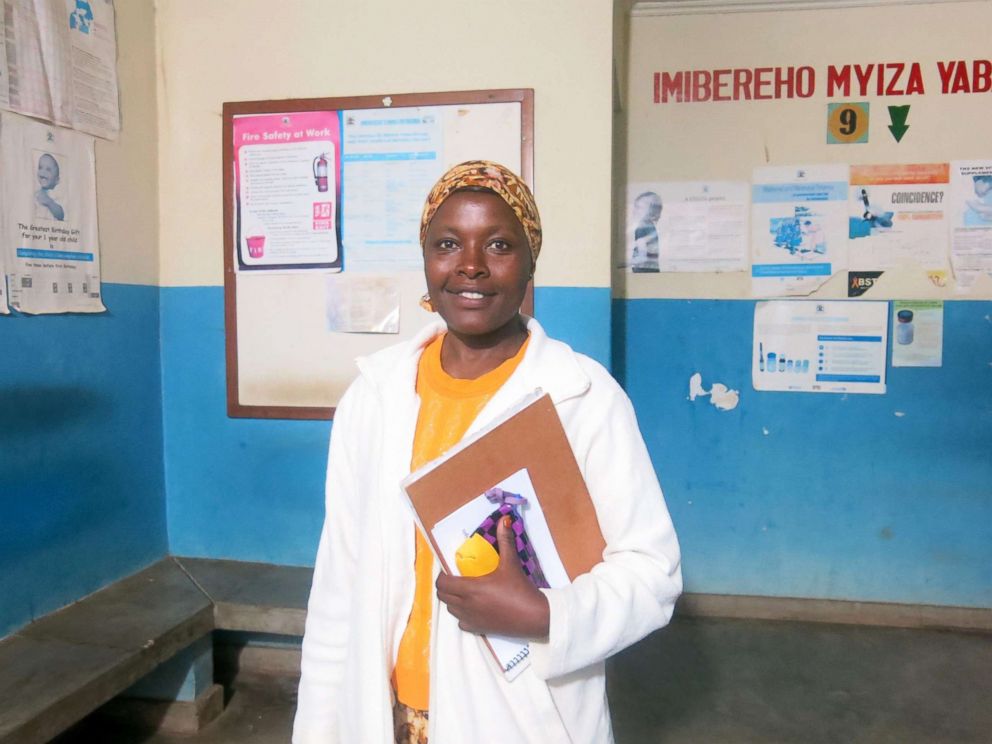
<point x="820" y="347"/>
<point x="50" y="233"/>
<point x="391" y="159"/>
<point x="970" y="215"/>
<point x="798" y="228"/>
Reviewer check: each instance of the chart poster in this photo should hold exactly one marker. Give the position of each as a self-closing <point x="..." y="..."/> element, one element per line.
<point x="798" y="228"/>
<point x="897" y="216"/>
<point x="971" y="220"/>
<point x="288" y="191"/>
<point x="686" y="226"/>
<point x="391" y="161"/>
<point x="917" y="333"/>
<point x="820" y="347"/>
<point x="50" y="225"/>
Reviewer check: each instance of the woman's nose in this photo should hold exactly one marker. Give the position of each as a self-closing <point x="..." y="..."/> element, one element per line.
<point x="473" y="263"/>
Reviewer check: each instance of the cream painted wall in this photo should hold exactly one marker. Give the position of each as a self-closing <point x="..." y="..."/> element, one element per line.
<point x="230" y="50"/>
<point x="127" y="170"/>
<point x="726" y="140"/>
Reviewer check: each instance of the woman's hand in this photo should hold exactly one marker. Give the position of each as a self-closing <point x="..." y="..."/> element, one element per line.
<point x="503" y="602"/>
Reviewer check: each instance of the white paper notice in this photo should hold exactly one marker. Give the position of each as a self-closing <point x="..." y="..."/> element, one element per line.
<point x="4" y="76"/>
<point x="798" y="228"/>
<point x="59" y="63"/>
<point x="4" y="308"/>
<point x="458" y="526"/>
<point x="391" y="161"/>
<point x="820" y="347"/>
<point x="971" y="220"/>
<point x="93" y="73"/>
<point x="363" y="304"/>
<point x="917" y="334"/>
<point x="27" y="84"/>
<point x="897" y="217"/>
<point x="686" y="226"/>
<point x="50" y="225"/>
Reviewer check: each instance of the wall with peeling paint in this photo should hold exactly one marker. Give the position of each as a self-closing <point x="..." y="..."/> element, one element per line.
<point x="854" y="497"/>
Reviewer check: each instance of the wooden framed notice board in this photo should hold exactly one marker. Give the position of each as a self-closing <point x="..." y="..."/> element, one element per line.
<point x="322" y="202"/>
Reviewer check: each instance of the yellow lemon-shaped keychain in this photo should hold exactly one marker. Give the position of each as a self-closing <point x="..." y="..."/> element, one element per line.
<point x="476" y="557"/>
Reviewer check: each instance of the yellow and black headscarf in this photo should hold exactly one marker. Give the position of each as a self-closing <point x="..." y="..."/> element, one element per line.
<point x="498" y="179"/>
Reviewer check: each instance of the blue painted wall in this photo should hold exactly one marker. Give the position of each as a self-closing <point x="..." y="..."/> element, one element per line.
<point x="579" y="316"/>
<point x="243" y="489"/>
<point x="840" y="498"/>
<point x="82" y="498"/>
<point x="253" y="490"/>
<point x="807" y="495"/>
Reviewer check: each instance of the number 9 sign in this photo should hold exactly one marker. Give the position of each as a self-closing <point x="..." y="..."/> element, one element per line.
<point x="847" y="123"/>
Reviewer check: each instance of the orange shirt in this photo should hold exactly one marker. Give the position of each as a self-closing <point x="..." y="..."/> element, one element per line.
<point x="448" y="406"/>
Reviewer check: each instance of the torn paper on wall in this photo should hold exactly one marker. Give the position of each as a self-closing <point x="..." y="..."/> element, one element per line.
<point x="363" y="304"/>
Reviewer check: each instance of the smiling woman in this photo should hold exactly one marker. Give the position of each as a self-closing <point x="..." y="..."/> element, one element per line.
<point x="477" y="262"/>
<point x="385" y="656"/>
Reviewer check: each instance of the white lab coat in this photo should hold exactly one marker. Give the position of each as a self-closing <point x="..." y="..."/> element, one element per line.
<point x="363" y="577"/>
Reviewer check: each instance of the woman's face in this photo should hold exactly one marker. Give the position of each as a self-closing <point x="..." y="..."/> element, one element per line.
<point x="477" y="263"/>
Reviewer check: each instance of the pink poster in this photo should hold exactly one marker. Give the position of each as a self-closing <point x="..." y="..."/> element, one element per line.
<point x="288" y="190"/>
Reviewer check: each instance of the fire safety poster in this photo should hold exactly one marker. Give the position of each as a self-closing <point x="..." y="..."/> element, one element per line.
<point x="288" y="191"/>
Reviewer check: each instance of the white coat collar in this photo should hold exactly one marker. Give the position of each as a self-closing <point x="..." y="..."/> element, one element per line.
<point x="547" y="364"/>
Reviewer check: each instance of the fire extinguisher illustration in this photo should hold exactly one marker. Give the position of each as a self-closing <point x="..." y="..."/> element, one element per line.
<point x="320" y="171"/>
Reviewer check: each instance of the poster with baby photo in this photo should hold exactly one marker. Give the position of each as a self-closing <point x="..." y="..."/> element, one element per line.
<point x="50" y="237"/>
<point x="970" y="214"/>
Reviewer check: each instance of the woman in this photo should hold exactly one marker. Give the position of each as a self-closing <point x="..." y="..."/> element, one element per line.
<point x="382" y="648"/>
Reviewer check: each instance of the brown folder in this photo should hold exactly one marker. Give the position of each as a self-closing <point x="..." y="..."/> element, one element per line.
<point x="531" y="438"/>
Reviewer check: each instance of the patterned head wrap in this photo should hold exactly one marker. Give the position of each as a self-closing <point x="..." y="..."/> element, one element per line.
<point x="498" y="179"/>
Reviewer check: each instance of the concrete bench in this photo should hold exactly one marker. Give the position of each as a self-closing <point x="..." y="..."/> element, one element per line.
<point x="58" y="669"/>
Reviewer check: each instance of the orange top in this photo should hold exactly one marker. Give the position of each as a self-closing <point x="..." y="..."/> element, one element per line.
<point x="448" y="406"/>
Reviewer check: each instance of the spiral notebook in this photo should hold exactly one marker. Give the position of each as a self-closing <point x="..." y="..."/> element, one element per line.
<point x="525" y="449"/>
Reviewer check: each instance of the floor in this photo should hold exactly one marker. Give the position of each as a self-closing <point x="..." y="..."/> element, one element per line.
<point x="712" y="681"/>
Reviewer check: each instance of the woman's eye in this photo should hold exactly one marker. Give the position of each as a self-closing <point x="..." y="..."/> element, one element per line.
<point x="500" y="245"/>
<point x="446" y="245"/>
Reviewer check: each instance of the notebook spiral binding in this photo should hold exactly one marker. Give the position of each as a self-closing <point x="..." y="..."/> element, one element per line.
<point x="521" y="655"/>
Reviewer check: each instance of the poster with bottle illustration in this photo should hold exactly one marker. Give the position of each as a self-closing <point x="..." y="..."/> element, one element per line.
<point x="820" y="347"/>
<point x="686" y="226"/>
<point x="971" y="221"/>
<point x="50" y="225"/>
<point x="288" y="191"/>
<point x="917" y="333"/>
<point x="897" y="217"/>
<point x="798" y="228"/>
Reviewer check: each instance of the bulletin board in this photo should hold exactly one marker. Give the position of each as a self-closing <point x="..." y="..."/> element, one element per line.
<point x="884" y="93"/>
<point x="322" y="201"/>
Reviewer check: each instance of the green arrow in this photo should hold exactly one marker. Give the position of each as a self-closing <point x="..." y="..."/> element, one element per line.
<point x="898" y="115"/>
